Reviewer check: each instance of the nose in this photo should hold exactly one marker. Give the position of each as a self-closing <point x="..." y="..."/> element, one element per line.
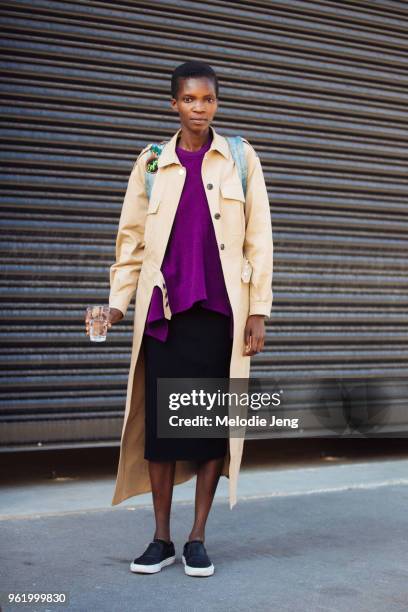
<point x="198" y="106"/>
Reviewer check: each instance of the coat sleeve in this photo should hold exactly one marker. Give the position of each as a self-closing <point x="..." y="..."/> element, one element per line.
<point x="258" y="245"/>
<point x="124" y="273"/>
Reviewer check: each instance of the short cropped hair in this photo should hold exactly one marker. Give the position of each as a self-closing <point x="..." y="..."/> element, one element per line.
<point x="192" y="68"/>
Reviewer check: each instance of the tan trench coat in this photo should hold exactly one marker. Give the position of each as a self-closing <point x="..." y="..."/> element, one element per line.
<point x="243" y="234"/>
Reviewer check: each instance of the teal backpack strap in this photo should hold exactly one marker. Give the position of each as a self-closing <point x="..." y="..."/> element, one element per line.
<point x="238" y="153"/>
<point x="151" y="166"/>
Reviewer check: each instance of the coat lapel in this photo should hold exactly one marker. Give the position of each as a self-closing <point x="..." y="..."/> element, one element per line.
<point x="169" y="156"/>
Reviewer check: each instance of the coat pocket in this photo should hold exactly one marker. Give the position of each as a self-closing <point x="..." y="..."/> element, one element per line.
<point x="153" y="206"/>
<point x="151" y="222"/>
<point x="232" y="190"/>
<point x="232" y="207"/>
<point x="156" y="195"/>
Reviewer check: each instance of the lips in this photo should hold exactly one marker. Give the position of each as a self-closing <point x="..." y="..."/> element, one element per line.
<point x="196" y="120"/>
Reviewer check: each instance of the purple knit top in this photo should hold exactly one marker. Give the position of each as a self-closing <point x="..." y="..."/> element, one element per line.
<point x="191" y="266"/>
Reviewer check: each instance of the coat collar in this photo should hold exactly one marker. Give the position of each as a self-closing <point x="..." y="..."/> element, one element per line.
<point x="169" y="156"/>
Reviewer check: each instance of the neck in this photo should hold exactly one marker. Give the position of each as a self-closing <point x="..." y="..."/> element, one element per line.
<point x="192" y="141"/>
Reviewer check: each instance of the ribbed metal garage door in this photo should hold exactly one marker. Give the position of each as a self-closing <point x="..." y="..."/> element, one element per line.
<point x="319" y="89"/>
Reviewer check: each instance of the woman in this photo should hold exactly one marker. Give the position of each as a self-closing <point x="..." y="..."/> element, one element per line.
<point x="196" y="314"/>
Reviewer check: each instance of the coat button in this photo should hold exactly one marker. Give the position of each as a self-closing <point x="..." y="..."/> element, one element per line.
<point x="209" y="186"/>
<point x="217" y="215"/>
<point x="181" y="171"/>
<point x="222" y="247"/>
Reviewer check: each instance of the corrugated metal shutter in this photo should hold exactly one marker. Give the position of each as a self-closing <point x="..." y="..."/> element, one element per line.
<point x="320" y="90"/>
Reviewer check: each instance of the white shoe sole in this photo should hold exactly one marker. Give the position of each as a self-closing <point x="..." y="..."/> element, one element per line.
<point x="197" y="571"/>
<point x="151" y="569"/>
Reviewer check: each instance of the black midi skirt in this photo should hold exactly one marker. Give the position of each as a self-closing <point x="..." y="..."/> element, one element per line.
<point x="198" y="346"/>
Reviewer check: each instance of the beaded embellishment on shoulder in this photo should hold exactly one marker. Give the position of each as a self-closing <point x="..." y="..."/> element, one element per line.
<point x="151" y="163"/>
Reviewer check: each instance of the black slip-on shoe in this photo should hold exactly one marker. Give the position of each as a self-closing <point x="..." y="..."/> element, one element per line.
<point x="158" y="554"/>
<point x="195" y="559"/>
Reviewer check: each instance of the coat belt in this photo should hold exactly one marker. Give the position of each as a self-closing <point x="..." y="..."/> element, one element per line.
<point x="153" y="277"/>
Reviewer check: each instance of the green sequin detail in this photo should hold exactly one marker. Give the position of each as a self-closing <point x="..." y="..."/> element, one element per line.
<point x="152" y="166"/>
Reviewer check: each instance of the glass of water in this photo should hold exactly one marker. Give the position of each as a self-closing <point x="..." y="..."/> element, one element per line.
<point x="98" y="317"/>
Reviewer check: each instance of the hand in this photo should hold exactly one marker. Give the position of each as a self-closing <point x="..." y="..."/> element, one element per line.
<point x="115" y="315"/>
<point x="254" y="335"/>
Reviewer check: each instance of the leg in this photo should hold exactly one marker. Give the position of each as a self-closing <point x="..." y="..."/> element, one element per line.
<point x="208" y="475"/>
<point x="162" y="481"/>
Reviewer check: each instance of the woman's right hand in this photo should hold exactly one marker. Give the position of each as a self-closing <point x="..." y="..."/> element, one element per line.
<point x="115" y="315"/>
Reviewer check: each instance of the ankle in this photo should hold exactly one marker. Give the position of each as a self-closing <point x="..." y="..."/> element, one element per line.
<point x="164" y="537"/>
<point x="198" y="536"/>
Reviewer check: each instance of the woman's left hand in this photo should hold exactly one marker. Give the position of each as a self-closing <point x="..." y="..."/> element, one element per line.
<point x="254" y="335"/>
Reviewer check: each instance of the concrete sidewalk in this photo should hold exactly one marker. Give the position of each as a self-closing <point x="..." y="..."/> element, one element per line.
<point x="71" y="494"/>
<point x="318" y="539"/>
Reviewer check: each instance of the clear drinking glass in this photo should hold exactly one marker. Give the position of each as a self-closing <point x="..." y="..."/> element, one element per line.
<point x="98" y="322"/>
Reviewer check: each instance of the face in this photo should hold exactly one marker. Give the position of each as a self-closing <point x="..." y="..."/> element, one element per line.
<point x="196" y="103"/>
